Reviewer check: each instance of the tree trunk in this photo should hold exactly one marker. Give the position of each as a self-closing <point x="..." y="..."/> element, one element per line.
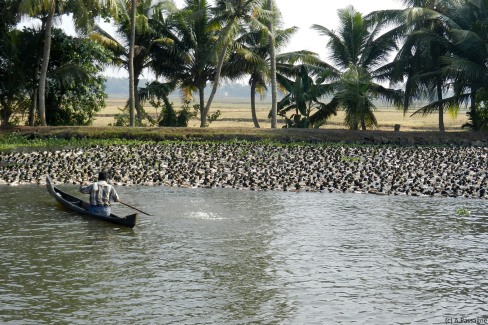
<point x="272" y="59"/>
<point x="473" y="112"/>
<point x="253" y="104"/>
<point x="201" y="97"/>
<point x="137" y="101"/>
<point x="218" y="72"/>
<point x="131" y="62"/>
<point x="45" y="64"/>
<point x="138" y="67"/>
<point x="4" y="113"/>
<point x="441" y="111"/>
<point x="35" y="90"/>
<point x="33" y="108"/>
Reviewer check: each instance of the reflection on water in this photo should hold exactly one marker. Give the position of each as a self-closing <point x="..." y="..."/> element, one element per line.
<point x="233" y="257"/>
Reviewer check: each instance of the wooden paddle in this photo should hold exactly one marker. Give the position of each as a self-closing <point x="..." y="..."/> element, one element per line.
<point x="130" y="206"/>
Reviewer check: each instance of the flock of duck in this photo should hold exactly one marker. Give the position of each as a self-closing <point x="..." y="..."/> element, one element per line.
<point x="383" y="170"/>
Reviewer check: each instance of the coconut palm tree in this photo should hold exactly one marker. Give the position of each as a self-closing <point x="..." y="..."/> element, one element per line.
<point x="186" y="53"/>
<point x="150" y="20"/>
<point x="359" y="49"/>
<point x="84" y="12"/>
<point x="355" y="94"/>
<point x="233" y="15"/>
<point x="418" y="62"/>
<point x="49" y="8"/>
<point x="132" y="45"/>
<point x="272" y="63"/>
<point x="468" y="63"/>
<point x="251" y="56"/>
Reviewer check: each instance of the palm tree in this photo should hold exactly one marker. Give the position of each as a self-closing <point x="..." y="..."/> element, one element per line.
<point x="354" y="92"/>
<point x="132" y="42"/>
<point x="233" y="14"/>
<point x="49" y="8"/>
<point x="468" y="64"/>
<point x="272" y="62"/>
<point x="150" y="19"/>
<point x="359" y="50"/>
<point x="251" y="56"/>
<point x="84" y="11"/>
<point x="10" y="72"/>
<point x="419" y="62"/>
<point x="186" y="51"/>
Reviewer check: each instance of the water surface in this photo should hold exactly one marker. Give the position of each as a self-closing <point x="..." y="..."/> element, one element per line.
<point x="236" y="257"/>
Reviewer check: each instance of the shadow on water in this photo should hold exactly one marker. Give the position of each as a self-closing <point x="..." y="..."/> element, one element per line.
<point x="234" y="257"/>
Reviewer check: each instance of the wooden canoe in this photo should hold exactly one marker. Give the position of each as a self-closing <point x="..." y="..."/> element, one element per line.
<point x="80" y="206"/>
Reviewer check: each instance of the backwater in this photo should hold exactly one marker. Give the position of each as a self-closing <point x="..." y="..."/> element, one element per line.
<point x="215" y="256"/>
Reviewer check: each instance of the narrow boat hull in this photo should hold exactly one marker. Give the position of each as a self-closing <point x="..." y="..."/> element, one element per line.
<point x="80" y="206"/>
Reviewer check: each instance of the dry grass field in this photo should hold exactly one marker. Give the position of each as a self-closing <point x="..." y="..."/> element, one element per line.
<point x="236" y="112"/>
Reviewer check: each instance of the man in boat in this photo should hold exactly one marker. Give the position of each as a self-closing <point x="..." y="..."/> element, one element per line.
<point x="101" y="194"/>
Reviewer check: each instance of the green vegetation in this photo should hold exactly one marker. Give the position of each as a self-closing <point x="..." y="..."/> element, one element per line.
<point x="350" y="159"/>
<point x="150" y="16"/>
<point x="83" y="13"/>
<point x="189" y="52"/>
<point x="75" y="136"/>
<point x="75" y="89"/>
<point x="82" y="137"/>
<point x="441" y="58"/>
<point x="15" y="141"/>
<point x="303" y="100"/>
<point x="463" y="212"/>
<point x="359" y="53"/>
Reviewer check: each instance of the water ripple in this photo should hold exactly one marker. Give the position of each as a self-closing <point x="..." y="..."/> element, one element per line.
<point x="233" y="257"/>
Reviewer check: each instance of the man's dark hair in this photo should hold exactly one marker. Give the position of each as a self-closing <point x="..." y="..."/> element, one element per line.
<point x="103" y="175"/>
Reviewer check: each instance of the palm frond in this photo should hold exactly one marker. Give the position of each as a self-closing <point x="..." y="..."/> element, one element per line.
<point x="394" y="96"/>
<point x="66" y="74"/>
<point x="325" y="111"/>
<point x="339" y="52"/>
<point x="464" y="70"/>
<point x="108" y="41"/>
<point x="444" y="104"/>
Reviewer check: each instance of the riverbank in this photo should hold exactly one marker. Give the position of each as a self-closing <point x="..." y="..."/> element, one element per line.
<point x="410" y="138"/>
<point x="454" y="171"/>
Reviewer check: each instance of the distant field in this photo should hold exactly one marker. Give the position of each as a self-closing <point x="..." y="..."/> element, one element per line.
<point x="237" y="113"/>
